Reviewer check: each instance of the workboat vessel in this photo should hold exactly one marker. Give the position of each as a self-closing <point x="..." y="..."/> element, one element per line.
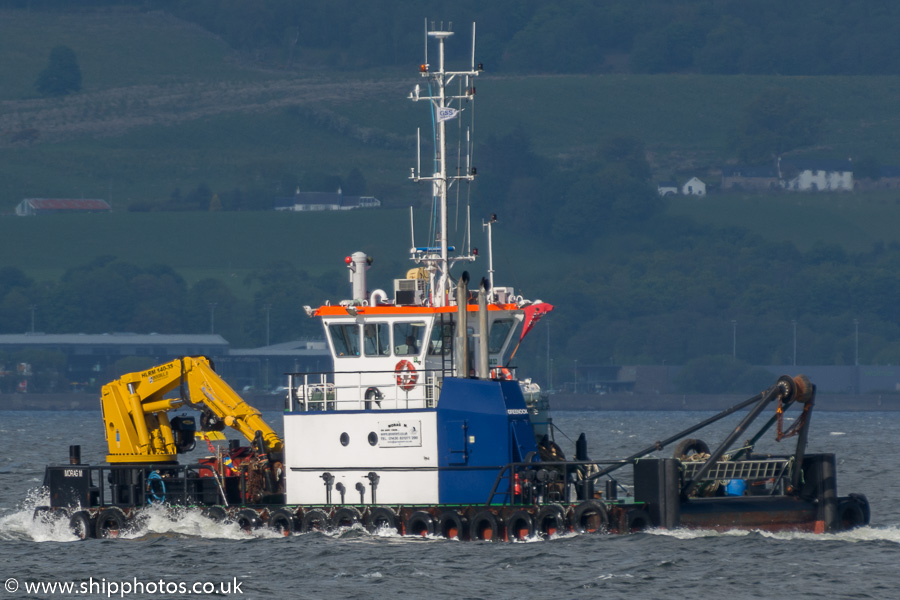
<point x="423" y="425"/>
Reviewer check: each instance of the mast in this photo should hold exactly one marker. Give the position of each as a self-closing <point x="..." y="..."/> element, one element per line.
<point x="489" y="226"/>
<point x="446" y="106"/>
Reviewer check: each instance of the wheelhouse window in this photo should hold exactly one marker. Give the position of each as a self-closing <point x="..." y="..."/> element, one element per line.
<point x="376" y="339"/>
<point x="345" y="339"/>
<point x="408" y="338"/>
<point x="499" y="333"/>
<point x="441" y="339"/>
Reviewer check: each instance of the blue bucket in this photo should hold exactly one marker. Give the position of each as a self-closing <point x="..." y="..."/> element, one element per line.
<point x="736" y="487"/>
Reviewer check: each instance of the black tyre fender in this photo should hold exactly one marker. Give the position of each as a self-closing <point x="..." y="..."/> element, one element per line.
<point x="248" y="519"/>
<point x="452" y="525"/>
<point x="382" y="518"/>
<point x="420" y="523"/>
<point x="110" y="523"/>
<point x="484" y="526"/>
<point x="636" y="519"/>
<point x="689" y="447"/>
<point x="345" y="517"/>
<point x="216" y="514"/>
<point x="864" y="505"/>
<point x="283" y="521"/>
<point x="850" y="514"/>
<point x="590" y="517"/>
<point x="314" y="520"/>
<point x="42" y="514"/>
<point x="519" y="526"/>
<point x="551" y="520"/>
<point x="81" y="524"/>
<point x="57" y="514"/>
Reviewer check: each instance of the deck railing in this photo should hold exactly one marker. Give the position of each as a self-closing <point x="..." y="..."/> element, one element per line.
<point x="361" y="390"/>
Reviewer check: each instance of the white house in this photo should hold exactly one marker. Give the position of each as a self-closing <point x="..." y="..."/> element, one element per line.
<point x="816" y="175"/>
<point x="693" y="187"/>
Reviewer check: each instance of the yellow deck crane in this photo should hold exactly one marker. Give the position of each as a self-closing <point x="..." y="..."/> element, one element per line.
<point x="137" y="425"/>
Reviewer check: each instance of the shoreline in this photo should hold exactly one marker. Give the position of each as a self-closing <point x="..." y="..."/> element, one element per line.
<point x="712" y="402"/>
<point x="558" y="402"/>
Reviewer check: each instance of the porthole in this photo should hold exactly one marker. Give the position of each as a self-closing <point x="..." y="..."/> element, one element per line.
<point x="345" y="439"/>
<point x="373" y="438"/>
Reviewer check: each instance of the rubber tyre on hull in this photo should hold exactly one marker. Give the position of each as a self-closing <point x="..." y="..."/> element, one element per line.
<point x="850" y="515"/>
<point x="864" y="505"/>
<point x="452" y="525"/>
<point x="248" y="519"/>
<point x="551" y="520"/>
<point x="485" y="526"/>
<point x="636" y="520"/>
<point x="520" y="526"/>
<point x="111" y="522"/>
<point x="314" y="520"/>
<point x="382" y="519"/>
<point x="590" y="517"/>
<point x="216" y="514"/>
<point x="81" y="524"/>
<point x="345" y="517"/>
<point x="43" y="514"/>
<point x="283" y="521"/>
<point x="420" y="523"/>
<point x="690" y="447"/>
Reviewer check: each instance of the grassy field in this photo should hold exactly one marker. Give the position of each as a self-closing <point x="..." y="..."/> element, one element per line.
<point x="231" y="245"/>
<point x="854" y="221"/>
<point x="199" y="244"/>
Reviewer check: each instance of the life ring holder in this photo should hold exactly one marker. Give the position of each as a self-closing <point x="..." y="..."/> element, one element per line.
<point x="406" y="375"/>
<point x="156" y="488"/>
<point x="501" y="374"/>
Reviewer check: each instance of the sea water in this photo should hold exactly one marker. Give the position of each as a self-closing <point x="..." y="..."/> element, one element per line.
<point x="185" y="555"/>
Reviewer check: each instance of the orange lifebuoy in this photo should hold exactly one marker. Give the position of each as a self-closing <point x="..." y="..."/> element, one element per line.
<point x="406" y="375"/>
<point x="501" y="373"/>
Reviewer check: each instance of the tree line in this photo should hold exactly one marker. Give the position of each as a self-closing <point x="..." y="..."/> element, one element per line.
<point x="108" y="295"/>
<point x="802" y="37"/>
<point x="661" y="290"/>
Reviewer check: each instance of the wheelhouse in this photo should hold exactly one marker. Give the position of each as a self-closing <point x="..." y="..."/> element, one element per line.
<point x="396" y="357"/>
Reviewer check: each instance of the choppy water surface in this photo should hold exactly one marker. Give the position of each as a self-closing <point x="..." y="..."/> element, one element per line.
<point x="189" y="549"/>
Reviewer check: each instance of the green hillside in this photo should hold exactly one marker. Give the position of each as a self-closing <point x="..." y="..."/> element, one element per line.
<point x="171" y="108"/>
<point x="221" y="245"/>
<point x="115" y="48"/>
<point x="230" y="245"/>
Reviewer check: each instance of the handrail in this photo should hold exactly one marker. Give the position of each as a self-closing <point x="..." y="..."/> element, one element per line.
<point x="338" y="396"/>
<point x="138" y="492"/>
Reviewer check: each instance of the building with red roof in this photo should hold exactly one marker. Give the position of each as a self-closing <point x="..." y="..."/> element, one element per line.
<point x="40" y="206"/>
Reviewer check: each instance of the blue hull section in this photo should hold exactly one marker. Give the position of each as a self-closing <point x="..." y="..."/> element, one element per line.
<point x="482" y="426"/>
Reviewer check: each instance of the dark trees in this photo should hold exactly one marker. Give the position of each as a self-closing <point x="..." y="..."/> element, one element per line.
<point x="61" y="76"/>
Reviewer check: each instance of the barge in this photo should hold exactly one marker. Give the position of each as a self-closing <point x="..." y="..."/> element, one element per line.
<point x="423" y="425"/>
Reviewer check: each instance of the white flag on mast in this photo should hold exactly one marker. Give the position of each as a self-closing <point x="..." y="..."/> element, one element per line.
<point x="446" y="113"/>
